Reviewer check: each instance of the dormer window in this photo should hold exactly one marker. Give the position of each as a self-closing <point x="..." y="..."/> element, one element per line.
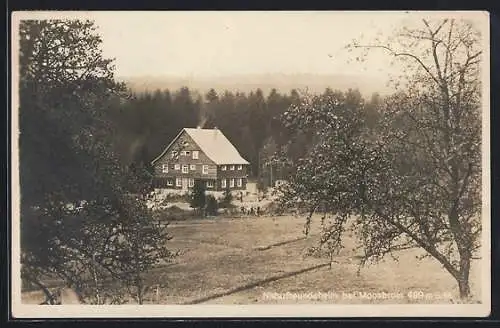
<point x="223" y="167"/>
<point x="240" y="167"/>
<point x="231" y="167"/>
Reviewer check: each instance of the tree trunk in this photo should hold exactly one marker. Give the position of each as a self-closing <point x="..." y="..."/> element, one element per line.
<point x="464" y="288"/>
<point x="140" y="296"/>
<point x="463" y="281"/>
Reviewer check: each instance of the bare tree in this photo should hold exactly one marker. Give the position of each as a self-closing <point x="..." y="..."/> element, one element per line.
<point x="414" y="180"/>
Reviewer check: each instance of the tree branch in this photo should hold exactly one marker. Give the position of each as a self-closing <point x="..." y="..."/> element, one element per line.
<point x="402" y="54"/>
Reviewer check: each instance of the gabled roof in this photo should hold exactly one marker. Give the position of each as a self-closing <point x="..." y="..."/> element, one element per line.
<point x="214" y="144"/>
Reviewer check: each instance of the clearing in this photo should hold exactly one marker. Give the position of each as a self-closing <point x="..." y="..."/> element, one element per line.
<point x="252" y="260"/>
<point x="263" y="260"/>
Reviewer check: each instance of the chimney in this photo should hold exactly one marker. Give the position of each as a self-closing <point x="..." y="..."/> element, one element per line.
<point x="215" y="132"/>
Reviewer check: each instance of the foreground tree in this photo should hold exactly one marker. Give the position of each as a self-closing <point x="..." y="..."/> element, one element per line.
<point x="414" y="179"/>
<point x="79" y="206"/>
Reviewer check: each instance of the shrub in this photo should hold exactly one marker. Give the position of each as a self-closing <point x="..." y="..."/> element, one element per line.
<point x="198" y="200"/>
<point x="212" y="206"/>
<point x="227" y="198"/>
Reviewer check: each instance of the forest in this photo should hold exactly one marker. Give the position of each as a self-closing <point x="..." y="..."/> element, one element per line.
<point x="147" y="122"/>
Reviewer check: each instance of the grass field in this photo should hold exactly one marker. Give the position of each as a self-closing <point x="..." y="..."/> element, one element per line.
<point x="233" y="261"/>
<point x="260" y="260"/>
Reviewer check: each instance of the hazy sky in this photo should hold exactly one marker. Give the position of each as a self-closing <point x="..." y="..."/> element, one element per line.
<point x="208" y="44"/>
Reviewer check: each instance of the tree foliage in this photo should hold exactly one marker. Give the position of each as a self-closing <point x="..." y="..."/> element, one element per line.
<point x="83" y="215"/>
<point x="198" y="198"/>
<point x="413" y="179"/>
<point x="212" y="205"/>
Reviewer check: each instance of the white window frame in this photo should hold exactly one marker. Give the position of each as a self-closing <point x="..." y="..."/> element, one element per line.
<point x="164" y="168"/>
<point x="223" y="183"/>
<point x="239" y="182"/>
<point x="191" y="183"/>
<point x="187" y="153"/>
<point x="174" y="153"/>
<point x="196" y="154"/>
<point x="210" y="184"/>
<point x="240" y="167"/>
<point x="178" y="182"/>
<point x="231" y="167"/>
<point x="177" y="167"/>
<point x="204" y="169"/>
<point x="223" y="167"/>
<point x="185" y="168"/>
<point x="170" y="182"/>
<point x="192" y="167"/>
<point x="231" y="183"/>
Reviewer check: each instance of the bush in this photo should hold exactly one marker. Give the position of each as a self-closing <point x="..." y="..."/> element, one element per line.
<point x="212" y="206"/>
<point x="197" y="200"/>
<point x="227" y="198"/>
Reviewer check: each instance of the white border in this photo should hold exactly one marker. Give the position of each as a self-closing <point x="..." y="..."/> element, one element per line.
<point x="191" y="311"/>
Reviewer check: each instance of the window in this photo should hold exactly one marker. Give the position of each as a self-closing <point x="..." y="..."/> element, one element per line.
<point x="239" y="182"/>
<point x="195" y="154"/>
<point x="174" y="153"/>
<point x="205" y="169"/>
<point x="177" y="166"/>
<point x="191" y="183"/>
<point x="170" y="182"/>
<point x="240" y="167"/>
<point x="192" y="167"/>
<point x="178" y="182"/>
<point x="223" y="183"/>
<point x="231" y="183"/>
<point x="223" y="167"/>
<point x="164" y="168"/>
<point x="185" y="168"/>
<point x="185" y="153"/>
<point x="210" y="184"/>
<point x="231" y="167"/>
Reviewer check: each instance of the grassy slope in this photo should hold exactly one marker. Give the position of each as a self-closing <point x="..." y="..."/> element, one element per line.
<point x="223" y="254"/>
<point x="218" y="255"/>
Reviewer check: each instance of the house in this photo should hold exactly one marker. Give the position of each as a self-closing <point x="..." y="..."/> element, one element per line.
<point x="200" y="154"/>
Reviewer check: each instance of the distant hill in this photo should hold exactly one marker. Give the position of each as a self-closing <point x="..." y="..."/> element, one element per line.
<point x="246" y="83"/>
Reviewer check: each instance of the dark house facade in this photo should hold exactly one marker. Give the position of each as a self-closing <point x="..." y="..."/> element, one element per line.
<point x="200" y="154"/>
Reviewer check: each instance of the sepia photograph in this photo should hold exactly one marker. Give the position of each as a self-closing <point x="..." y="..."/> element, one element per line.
<point x="250" y="164"/>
